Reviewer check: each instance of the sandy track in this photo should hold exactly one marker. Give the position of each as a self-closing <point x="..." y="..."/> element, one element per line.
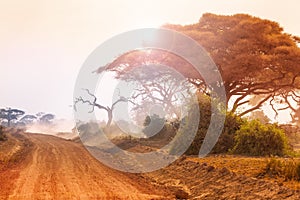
<point x="61" y="169"/>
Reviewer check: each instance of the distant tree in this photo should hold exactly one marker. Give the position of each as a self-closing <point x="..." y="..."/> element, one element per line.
<point x="259" y="115"/>
<point x="28" y="119"/>
<point x="47" y="118"/>
<point x="10" y="115"/>
<point x="40" y="114"/>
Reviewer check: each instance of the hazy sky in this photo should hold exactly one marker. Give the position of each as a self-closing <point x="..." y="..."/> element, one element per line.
<point x="44" y="43"/>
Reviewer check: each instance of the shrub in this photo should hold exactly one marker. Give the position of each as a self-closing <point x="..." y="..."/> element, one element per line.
<point x="257" y="139"/>
<point x="153" y="124"/>
<point x="226" y="139"/>
<point x="184" y="135"/>
<point x="204" y="104"/>
<point x="289" y="169"/>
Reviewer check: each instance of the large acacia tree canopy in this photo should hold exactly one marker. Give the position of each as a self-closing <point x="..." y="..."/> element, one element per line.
<point x="254" y="56"/>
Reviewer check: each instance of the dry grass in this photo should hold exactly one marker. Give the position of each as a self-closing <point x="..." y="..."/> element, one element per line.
<point x="257" y="167"/>
<point x="289" y="169"/>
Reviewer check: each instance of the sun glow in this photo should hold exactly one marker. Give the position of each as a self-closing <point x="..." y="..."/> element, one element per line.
<point x="148" y="22"/>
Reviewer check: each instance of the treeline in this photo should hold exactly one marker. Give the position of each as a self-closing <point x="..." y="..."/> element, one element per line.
<point x="12" y="117"/>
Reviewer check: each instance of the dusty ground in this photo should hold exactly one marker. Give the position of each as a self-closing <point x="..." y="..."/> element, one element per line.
<point x="61" y="169"/>
<point x="201" y="180"/>
<point x="248" y="166"/>
<point x="34" y="166"/>
<point x="13" y="156"/>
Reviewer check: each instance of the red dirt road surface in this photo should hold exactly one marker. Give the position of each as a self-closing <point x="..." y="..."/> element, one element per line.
<point x="61" y="169"/>
<point x="35" y="166"/>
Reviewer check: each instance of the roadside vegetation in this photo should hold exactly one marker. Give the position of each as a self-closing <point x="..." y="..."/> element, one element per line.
<point x="241" y="136"/>
<point x="289" y="169"/>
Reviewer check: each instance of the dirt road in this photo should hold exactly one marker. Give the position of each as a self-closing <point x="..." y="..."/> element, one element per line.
<point x="48" y="167"/>
<point x="61" y="169"/>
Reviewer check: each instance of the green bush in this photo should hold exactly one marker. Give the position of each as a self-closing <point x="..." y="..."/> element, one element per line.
<point x="226" y="139"/>
<point x="257" y="139"/>
<point x="184" y="135"/>
<point x="239" y="136"/>
<point x="204" y="105"/>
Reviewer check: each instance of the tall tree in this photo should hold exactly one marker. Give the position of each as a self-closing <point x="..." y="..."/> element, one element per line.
<point x="255" y="58"/>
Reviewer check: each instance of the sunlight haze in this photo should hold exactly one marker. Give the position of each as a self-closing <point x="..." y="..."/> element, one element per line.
<point x="44" y="43"/>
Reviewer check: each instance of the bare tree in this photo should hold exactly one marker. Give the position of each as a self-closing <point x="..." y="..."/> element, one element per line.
<point x="93" y="103"/>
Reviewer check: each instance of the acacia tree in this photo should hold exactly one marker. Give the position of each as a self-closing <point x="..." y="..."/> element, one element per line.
<point x="156" y="84"/>
<point x="28" y="119"/>
<point x="10" y="115"/>
<point x="254" y="56"/>
<point x="46" y="118"/>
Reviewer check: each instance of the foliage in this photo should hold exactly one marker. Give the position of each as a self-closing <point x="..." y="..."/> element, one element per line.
<point x="259" y="115"/>
<point x="10" y="115"/>
<point x="257" y="139"/>
<point x="292" y="133"/>
<point x="47" y="118"/>
<point x="226" y="139"/>
<point x="289" y="169"/>
<point x="28" y="119"/>
<point x="246" y="49"/>
<point x="184" y="132"/>
<point x="153" y="124"/>
<point x="239" y="136"/>
<point x="166" y="134"/>
<point x="205" y="114"/>
<point x="17" y="118"/>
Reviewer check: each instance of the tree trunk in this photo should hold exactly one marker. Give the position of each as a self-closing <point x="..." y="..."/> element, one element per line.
<point x="109" y="115"/>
